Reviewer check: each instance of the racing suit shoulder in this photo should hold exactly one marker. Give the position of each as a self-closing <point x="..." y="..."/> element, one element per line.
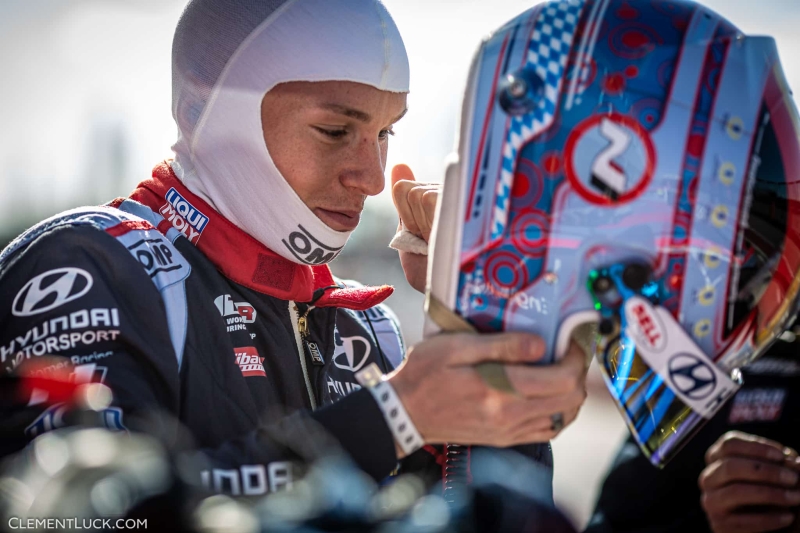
<point x="99" y="253"/>
<point x="77" y="300"/>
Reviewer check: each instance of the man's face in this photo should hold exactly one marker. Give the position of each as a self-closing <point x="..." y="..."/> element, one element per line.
<point x="329" y="140"/>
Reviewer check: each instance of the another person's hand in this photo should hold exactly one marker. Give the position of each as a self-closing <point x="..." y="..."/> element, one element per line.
<point x="750" y="484"/>
<point x="415" y="203"/>
<point x="448" y="400"/>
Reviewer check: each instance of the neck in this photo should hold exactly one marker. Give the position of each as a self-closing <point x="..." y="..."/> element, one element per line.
<point x="239" y="256"/>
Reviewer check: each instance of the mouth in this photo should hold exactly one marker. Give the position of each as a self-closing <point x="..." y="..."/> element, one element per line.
<point x="340" y="220"/>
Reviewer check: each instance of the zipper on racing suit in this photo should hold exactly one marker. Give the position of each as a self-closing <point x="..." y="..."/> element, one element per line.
<point x="311" y="348"/>
<point x="305" y="347"/>
<point x="300" y="327"/>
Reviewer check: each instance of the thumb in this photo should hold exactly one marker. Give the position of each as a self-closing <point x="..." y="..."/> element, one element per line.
<point x="509" y="348"/>
<point x="401" y="172"/>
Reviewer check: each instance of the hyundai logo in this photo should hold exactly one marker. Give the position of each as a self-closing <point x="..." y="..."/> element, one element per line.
<point x="691" y="376"/>
<point x="50" y="290"/>
<point x="345" y="357"/>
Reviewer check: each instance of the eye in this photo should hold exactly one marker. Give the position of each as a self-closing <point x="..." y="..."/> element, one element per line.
<point x="384" y="134"/>
<point x="333" y="134"/>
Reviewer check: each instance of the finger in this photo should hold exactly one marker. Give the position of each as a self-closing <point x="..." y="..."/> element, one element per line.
<point x="736" y="443"/>
<point x="730" y="497"/>
<point x="401" y="196"/>
<point x="546" y="423"/>
<point x="564" y="376"/>
<point x="752" y="522"/>
<point x="515" y="415"/>
<point x="429" y="200"/>
<point x="734" y="469"/>
<point x="402" y="172"/>
<point x="567" y="405"/>
<point x="467" y="349"/>
<point x="540" y="429"/>
<point x="409" y="198"/>
<point x="415" y="196"/>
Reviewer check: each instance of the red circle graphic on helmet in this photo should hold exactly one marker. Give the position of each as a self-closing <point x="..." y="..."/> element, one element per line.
<point x="609" y="159"/>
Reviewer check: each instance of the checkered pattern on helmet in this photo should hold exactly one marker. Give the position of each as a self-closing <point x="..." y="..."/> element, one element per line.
<point x="548" y="52"/>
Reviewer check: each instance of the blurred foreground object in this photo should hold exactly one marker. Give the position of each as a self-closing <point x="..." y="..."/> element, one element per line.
<point x="633" y="165"/>
<point x="94" y="473"/>
<point x="90" y="473"/>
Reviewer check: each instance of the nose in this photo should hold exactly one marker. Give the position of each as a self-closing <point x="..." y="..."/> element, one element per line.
<point x="365" y="170"/>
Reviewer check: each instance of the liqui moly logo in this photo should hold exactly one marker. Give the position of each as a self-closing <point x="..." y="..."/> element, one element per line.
<point x="249" y="361"/>
<point x="184" y="217"/>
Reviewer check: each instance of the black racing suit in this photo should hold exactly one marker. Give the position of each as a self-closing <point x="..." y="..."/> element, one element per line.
<point x="637" y="497"/>
<point x="179" y="311"/>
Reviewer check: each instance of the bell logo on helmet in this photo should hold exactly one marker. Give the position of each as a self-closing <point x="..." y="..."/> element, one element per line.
<point x="609" y="159"/>
<point x="51" y="289"/>
<point x="645" y="326"/>
<point x="307" y="249"/>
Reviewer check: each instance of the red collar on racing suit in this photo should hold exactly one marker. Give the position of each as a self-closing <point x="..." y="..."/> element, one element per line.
<point x="238" y="255"/>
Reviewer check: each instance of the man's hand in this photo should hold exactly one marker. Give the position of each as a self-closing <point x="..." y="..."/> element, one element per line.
<point x="448" y="400"/>
<point x="750" y="484"/>
<point x="415" y="203"/>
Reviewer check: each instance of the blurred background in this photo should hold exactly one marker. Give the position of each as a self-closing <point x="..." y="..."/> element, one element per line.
<point x="85" y="92"/>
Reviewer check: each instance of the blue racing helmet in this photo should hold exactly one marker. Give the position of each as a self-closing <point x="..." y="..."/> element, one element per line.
<point x="633" y="165"/>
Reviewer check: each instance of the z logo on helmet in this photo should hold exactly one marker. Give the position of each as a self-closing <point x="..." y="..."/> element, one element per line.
<point x="51" y="289"/>
<point x="609" y="159"/>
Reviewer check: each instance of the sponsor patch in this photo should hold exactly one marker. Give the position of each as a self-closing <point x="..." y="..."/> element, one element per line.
<point x="249" y="480"/>
<point x="53" y="417"/>
<point x="51" y="289"/>
<point x="249" y="361"/>
<point x="757" y="405"/>
<point x="351" y="353"/>
<point x="341" y="388"/>
<point x="774" y="367"/>
<point x="236" y="314"/>
<point x="308" y="249"/>
<point x="183" y="216"/>
<point x="63" y="333"/>
<point x="646" y="327"/>
<point x="159" y="258"/>
<point x="89" y="373"/>
<point x="94" y="356"/>
<point x="666" y="348"/>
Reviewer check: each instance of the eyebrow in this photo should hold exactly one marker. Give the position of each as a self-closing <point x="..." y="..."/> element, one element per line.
<point x="361" y="116"/>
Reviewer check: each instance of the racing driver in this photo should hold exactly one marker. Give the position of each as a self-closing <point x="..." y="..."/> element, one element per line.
<point x="206" y="293"/>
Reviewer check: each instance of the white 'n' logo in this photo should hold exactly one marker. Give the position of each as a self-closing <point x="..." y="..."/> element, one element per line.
<point x="607" y="175"/>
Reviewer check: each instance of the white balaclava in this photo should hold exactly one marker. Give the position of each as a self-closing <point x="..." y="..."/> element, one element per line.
<point x="227" y="54"/>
